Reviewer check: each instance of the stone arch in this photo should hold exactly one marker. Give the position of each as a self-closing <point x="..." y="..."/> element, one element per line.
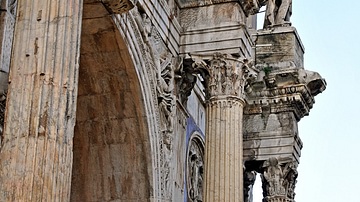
<point x="116" y="133"/>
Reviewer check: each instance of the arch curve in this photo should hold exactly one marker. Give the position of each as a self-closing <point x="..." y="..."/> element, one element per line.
<point x="116" y="134"/>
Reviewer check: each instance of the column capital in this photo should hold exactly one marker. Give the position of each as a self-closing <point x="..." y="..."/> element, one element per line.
<point x="224" y="76"/>
<point x="279" y="180"/>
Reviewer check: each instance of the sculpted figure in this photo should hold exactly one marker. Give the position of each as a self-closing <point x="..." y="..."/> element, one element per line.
<point x="278" y="12"/>
<point x="274" y="177"/>
<point x="165" y="98"/>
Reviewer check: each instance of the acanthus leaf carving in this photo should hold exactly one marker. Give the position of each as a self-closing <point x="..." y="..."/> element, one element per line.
<point x="225" y="75"/>
<point x="279" y="180"/>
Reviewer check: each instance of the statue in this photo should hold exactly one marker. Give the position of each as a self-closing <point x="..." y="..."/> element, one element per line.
<point x="278" y="12"/>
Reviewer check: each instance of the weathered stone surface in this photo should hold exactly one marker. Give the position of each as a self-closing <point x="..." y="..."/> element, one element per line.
<point x="202" y="26"/>
<point x="281" y="95"/>
<point x="271" y="135"/>
<point x="224" y="81"/>
<point x="224" y="154"/>
<point x="36" y="152"/>
<point x="279" y="48"/>
<point x="139" y="62"/>
<point x="110" y="139"/>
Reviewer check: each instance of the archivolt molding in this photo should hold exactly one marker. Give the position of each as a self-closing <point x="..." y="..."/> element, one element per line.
<point x="155" y="68"/>
<point x="144" y="68"/>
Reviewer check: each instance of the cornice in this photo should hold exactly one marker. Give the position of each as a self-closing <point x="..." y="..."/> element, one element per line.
<point x="286" y="90"/>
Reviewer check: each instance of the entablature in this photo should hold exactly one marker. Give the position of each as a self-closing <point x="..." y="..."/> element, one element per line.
<point x="284" y="90"/>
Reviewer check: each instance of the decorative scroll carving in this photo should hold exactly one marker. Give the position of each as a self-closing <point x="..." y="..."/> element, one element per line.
<point x="118" y="6"/>
<point x="279" y="181"/>
<point x="278" y="12"/>
<point x="195" y="170"/>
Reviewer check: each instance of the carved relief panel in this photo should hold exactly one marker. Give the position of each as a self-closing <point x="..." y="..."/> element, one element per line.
<point x="195" y="168"/>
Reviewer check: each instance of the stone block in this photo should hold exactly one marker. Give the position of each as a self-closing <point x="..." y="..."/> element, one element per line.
<point x="215" y="28"/>
<point x="279" y="48"/>
<point x="271" y="135"/>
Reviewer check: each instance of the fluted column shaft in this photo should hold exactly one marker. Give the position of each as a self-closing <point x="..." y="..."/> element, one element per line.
<point x="36" y="151"/>
<point x="224" y="88"/>
<point x="223" y="153"/>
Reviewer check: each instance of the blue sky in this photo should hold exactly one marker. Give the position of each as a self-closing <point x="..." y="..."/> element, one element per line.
<point x="329" y="164"/>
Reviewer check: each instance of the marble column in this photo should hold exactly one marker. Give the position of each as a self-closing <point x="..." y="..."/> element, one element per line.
<point x="224" y="84"/>
<point x="36" y="151"/>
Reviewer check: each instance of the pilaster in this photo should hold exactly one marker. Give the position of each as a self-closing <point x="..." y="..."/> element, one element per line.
<point x="36" y="153"/>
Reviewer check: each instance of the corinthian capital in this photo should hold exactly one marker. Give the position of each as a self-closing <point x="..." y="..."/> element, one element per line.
<point x="279" y="180"/>
<point x="225" y="75"/>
